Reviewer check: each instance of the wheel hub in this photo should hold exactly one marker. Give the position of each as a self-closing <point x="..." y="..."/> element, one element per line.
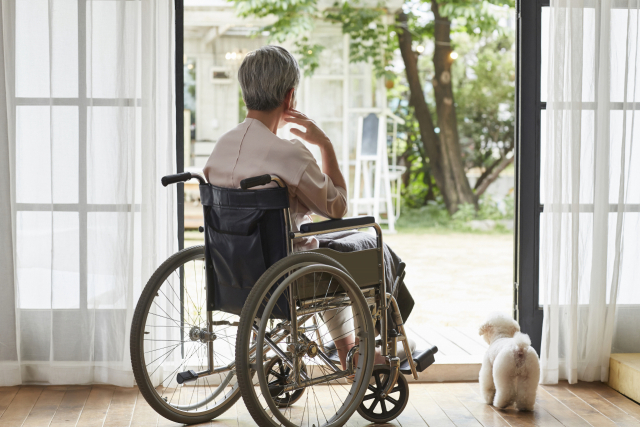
<point x="197" y="334"/>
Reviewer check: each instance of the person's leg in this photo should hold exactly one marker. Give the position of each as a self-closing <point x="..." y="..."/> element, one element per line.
<point x="339" y="323"/>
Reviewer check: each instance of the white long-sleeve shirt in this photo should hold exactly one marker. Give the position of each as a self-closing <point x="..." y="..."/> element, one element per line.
<point x="251" y="149"/>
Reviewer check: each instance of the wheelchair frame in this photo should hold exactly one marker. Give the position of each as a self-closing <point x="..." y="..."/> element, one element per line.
<point x="371" y="282"/>
<point x="389" y="351"/>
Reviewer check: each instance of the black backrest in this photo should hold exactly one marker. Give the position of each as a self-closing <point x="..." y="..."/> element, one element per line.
<point x="245" y="233"/>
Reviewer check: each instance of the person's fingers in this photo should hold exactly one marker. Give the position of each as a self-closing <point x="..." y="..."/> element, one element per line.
<point x="297" y="132"/>
<point x="302" y="122"/>
<point x="295" y="113"/>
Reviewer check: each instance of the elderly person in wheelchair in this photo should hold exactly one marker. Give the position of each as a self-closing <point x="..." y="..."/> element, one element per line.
<point x="281" y="306"/>
<point x="269" y="78"/>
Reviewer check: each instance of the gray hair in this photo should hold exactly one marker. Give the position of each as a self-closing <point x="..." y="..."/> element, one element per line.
<point x="265" y="76"/>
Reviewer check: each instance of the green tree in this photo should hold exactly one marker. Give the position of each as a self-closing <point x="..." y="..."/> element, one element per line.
<point x="485" y="92"/>
<point x="373" y="40"/>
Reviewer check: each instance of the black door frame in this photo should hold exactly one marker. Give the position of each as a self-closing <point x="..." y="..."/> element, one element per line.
<point x="527" y="309"/>
<point x="179" y="17"/>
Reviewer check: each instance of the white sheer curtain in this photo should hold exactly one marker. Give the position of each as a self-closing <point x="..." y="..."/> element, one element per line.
<point x="590" y="187"/>
<point x="87" y="130"/>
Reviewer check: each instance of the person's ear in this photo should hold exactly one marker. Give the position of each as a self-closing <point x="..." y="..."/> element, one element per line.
<point x="289" y="99"/>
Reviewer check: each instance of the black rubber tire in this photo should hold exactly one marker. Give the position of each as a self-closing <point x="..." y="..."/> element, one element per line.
<point x="247" y="317"/>
<point x="401" y="386"/>
<point x="136" y="346"/>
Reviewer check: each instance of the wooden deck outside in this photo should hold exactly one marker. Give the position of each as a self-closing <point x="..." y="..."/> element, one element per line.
<point x="460" y="352"/>
<point x="444" y="404"/>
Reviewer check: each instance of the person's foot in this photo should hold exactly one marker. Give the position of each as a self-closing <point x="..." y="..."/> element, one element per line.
<point x="344" y="345"/>
<point x="412" y="347"/>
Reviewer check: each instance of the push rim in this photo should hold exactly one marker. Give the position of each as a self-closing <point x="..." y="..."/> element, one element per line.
<point x="341" y="398"/>
<point x="172" y="341"/>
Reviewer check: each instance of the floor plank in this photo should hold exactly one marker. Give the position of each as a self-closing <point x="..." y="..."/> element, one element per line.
<point x="46" y="407"/>
<point x="143" y="414"/>
<point x="71" y="406"/>
<point x="20" y="406"/>
<point x="6" y="396"/>
<point x="432" y="404"/>
<point x="455" y="410"/>
<point x="515" y="418"/>
<point x="472" y="333"/>
<point x="461" y="340"/>
<point x="615" y="398"/>
<point x="121" y="408"/>
<point x="611" y="411"/>
<point x="428" y="409"/>
<point x="559" y="410"/>
<point x="476" y="405"/>
<point x="445" y="346"/>
<point x="577" y="405"/>
<point x="96" y="407"/>
<point x="410" y="416"/>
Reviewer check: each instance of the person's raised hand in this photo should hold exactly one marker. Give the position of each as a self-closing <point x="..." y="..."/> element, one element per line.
<point x="313" y="134"/>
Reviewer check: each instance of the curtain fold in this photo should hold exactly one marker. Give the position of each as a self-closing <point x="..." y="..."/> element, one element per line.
<point x="590" y="186"/>
<point x="9" y="372"/>
<point x="90" y="114"/>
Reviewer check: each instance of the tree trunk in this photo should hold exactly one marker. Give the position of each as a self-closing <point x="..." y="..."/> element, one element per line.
<point x="443" y="149"/>
<point x="456" y="183"/>
<point x="417" y="100"/>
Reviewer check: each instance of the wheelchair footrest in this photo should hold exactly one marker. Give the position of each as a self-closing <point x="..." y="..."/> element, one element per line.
<point x="186" y="376"/>
<point x="422" y="358"/>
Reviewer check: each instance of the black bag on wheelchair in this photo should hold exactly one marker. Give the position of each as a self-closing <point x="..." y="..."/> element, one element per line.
<point x="245" y="233"/>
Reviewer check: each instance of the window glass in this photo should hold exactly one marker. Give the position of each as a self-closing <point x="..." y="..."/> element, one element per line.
<point x="108" y="272"/>
<point x="48" y="281"/>
<point x="107" y="152"/>
<point x="32" y="48"/>
<point x="107" y="29"/>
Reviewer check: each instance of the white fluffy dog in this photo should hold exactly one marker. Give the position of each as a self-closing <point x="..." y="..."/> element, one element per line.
<point x="510" y="369"/>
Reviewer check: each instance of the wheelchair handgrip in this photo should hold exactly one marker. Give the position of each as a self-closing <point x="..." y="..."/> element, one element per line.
<point x="180" y="177"/>
<point x="255" y="181"/>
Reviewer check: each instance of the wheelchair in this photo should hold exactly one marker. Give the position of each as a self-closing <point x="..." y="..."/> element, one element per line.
<point x="292" y="333"/>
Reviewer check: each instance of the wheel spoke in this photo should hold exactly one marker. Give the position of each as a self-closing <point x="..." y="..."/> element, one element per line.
<point x="392" y="400"/>
<point x="170" y="313"/>
<point x="374" y="404"/>
<point x="378" y="382"/>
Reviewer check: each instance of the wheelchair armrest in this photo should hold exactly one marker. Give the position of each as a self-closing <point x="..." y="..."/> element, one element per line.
<point x="332" y="224"/>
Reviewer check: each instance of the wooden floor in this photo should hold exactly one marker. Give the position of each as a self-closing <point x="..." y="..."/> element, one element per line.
<point x="434" y="404"/>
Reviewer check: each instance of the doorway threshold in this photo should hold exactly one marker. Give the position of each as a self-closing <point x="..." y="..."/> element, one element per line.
<point x="460" y="352"/>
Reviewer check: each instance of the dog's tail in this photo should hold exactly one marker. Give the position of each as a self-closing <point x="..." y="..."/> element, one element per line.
<point x="522" y="343"/>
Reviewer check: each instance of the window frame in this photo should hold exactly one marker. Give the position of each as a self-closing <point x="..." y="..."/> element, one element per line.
<point x="83" y="102"/>
<point x="527" y="310"/>
<point x="179" y="89"/>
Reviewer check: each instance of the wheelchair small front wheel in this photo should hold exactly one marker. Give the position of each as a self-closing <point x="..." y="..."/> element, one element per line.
<point x="173" y="335"/>
<point x="280" y="374"/>
<point x="378" y="409"/>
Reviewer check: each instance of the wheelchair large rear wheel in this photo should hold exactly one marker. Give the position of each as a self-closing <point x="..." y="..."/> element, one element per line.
<point x="170" y="335"/>
<point x="324" y="292"/>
